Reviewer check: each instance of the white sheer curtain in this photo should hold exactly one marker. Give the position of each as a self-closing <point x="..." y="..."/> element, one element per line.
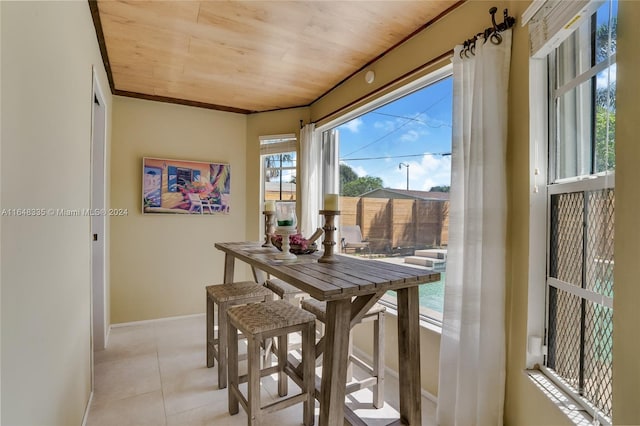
<point x="472" y="350"/>
<point x="310" y="179"/>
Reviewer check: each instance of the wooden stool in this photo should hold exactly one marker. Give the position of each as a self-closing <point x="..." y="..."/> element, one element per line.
<point x="285" y="290"/>
<point x="375" y="371"/>
<point x="225" y="296"/>
<point x="260" y="321"/>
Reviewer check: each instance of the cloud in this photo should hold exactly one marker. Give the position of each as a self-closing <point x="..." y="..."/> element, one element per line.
<point x="430" y="171"/>
<point x="410" y="136"/>
<point x="385" y="125"/>
<point x="602" y="80"/>
<point x="353" y="125"/>
<point x="404" y="130"/>
<point x="359" y="170"/>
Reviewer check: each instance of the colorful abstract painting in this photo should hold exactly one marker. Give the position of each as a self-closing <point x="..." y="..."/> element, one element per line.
<point x="185" y="187"/>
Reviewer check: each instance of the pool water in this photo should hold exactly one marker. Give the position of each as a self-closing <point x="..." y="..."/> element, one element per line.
<point x="432" y="295"/>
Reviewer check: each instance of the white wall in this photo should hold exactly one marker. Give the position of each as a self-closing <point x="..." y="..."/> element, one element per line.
<point x="160" y="263"/>
<point x="0" y="209"/>
<point x="48" y="49"/>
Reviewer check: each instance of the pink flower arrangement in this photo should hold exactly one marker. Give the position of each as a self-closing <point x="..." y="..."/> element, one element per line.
<point x="294" y="240"/>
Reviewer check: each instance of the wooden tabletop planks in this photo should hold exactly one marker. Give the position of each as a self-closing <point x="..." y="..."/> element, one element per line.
<point x="328" y="281"/>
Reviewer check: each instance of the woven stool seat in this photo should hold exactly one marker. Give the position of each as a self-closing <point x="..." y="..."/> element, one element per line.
<point x="319" y="309"/>
<point x="287" y="292"/>
<point x="266" y="317"/>
<point x="283" y="289"/>
<point x="225" y="296"/>
<point x="260" y="321"/>
<point x="236" y="291"/>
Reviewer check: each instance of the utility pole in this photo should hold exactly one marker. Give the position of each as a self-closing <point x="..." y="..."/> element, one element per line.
<point x="407" y="166"/>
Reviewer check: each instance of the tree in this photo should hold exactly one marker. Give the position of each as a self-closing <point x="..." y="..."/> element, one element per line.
<point x="273" y="164"/>
<point x="605" y="139"/>
<point x="442" y="188"/>
<point x="346" y="175"/>
<point x="603" y="48"/>
<point x="605" y="100"/>
<point x="361" y="185"/>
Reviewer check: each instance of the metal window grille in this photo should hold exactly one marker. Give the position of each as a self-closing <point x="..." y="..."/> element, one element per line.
<point x="580" y="292"/>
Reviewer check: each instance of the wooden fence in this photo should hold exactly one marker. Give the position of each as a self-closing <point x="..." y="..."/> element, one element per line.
<point x="394" y="224"/>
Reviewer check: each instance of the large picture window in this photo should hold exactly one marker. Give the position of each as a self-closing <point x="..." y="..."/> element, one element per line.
<point x="394" y="176"/>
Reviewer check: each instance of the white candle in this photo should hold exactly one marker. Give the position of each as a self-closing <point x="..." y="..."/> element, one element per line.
<point x="331" y="202"/>
<point x="270" y="206"/>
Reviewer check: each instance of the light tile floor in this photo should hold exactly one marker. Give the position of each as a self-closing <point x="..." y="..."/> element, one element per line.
<point x="155" y="374"/>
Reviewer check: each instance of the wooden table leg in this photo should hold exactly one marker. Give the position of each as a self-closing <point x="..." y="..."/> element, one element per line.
<point x="258" y="275"/>
<point x="409" y="355"/>
<point x="229" y="263"/>
<point x="334" y="364"/>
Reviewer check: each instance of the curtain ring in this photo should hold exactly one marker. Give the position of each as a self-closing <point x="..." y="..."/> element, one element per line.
<point x="486" y="35"/>
<point x="465" y="47"/>
<point x="496" y="38"/>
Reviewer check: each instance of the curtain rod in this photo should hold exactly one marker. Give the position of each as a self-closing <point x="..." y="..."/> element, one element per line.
<point x="491" y="33"/>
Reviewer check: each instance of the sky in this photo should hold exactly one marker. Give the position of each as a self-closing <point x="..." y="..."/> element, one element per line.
<point x="407" y="131"/>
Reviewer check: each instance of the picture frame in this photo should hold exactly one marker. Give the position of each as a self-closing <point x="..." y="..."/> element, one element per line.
<point x="172" y="186"/>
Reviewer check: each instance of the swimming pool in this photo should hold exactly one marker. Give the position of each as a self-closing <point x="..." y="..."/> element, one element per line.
<point x="432" y="295"/>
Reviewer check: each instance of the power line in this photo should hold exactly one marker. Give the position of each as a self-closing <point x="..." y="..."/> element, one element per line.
<point x="442" y="154"/>
<point x="399" y="127"/>
<point x="414" y="119"/>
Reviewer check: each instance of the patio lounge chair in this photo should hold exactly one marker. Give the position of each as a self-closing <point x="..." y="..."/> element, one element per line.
<point x="352" y="239"/>
<point x="198" y="204"/>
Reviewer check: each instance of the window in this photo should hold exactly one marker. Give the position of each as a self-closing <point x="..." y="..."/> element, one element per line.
<point x="579" y="202"/>
<point x="394" y="179"/>
<point x="278" y="154"/>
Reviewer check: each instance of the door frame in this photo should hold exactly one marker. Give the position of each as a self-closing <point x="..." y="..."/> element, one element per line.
<point x="99" y="294"/>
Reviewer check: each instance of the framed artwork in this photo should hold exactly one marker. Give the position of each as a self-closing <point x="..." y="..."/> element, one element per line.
<point x="185" y="187"/>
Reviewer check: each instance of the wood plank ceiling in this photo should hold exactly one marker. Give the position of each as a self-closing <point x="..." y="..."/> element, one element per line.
<point x="249" y="56"/>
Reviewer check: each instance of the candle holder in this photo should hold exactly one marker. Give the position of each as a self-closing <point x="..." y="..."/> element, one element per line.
<point x="285" y="231"/>
<point x="329" y="238"/>
<point x="287" y="224"/>
<point x="269" y="227"/>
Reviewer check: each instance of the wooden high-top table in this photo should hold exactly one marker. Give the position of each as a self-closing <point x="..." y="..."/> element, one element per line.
<point x="350" y="287"/>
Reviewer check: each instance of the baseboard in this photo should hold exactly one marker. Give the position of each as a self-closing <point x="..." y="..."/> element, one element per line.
<point x="393" y="373"/>
<point x="151" y="321"/>
<point x="86" y="410"/>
